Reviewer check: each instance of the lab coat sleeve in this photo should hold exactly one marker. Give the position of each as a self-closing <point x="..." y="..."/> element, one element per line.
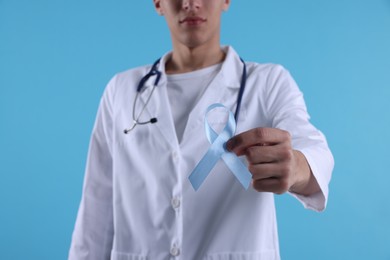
<point x="93" y="232"/>
<point x="287" y="111"/>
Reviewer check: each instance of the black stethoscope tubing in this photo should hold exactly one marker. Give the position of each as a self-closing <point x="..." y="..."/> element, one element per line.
<point x="154" y="72"/>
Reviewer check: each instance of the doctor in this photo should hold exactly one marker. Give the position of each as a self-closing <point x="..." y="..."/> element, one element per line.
<point x="137" y="201"/>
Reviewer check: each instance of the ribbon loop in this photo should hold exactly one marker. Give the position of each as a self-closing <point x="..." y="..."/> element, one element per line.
<point x="218" y="151"/>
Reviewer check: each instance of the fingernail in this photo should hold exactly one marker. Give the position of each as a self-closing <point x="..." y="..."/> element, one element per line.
<point x="229" y="145"/>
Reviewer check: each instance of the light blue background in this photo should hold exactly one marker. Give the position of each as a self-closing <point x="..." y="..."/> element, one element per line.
<point x="57" y="55"/>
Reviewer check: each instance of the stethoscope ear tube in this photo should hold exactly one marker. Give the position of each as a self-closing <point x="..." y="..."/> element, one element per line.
<point x="241" y="91"/>
<point x="155" y="72"/>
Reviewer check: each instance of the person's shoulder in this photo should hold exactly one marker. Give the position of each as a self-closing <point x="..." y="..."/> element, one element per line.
<point x="269" y="73"/>
<point x="131" y="74"/>
<point x="120" y="81"/>
<point x="266" y="69"/>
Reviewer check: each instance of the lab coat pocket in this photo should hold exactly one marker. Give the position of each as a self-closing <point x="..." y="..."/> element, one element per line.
<point x="126" y="256"/>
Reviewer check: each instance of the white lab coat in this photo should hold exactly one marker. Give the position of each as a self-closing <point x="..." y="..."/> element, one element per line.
<point x="137" y="201"/>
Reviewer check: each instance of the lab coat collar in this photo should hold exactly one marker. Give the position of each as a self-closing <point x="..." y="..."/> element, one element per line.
<point x="230" y="66"/>
<point x="229" y="76"/>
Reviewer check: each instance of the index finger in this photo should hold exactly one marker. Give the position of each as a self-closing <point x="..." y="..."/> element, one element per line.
<point x="258" y="136"/>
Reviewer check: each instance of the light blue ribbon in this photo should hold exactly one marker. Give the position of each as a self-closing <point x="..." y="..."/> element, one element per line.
<point x="218" y="150"/>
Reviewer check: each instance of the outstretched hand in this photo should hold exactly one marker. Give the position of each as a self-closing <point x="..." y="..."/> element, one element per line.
<point x="274" y="165"/>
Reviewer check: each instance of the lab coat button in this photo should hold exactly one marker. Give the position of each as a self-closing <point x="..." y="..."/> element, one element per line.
<point x="175" y="156"/>
<point x="175" y="251"/>
<point x="175" y="202"/>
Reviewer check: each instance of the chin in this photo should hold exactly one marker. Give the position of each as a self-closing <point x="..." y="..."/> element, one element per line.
<point x="194" y="42"/>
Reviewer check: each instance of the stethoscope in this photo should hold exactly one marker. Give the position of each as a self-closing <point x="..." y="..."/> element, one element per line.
<point x="154" y="72"/>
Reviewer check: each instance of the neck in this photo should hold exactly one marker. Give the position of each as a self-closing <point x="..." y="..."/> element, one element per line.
<point x="186" y="59"/>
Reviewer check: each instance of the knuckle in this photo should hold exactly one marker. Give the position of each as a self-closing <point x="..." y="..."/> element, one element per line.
<point x="285" y="169"/>
<point x="286" y="135"/>
<point x="260" y="132"/>
<point x="283" y="185"/>
<point x="257" y="188"/>
<point x="279" y="192"/>
<point x="251" y="153"/>
<point x="255" y="185"/>
<point x="252" y="169"/>
<point x="287" y="154"/>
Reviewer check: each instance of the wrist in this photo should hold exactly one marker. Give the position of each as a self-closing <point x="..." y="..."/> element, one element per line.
<point x="305" y="182"/>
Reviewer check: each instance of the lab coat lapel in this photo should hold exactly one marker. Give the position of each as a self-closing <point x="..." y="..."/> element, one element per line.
<point x="223" y="89"/>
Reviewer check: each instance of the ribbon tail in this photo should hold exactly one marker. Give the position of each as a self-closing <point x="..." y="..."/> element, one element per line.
<point x="202" y="170"/>
<point x="238" y="169"/>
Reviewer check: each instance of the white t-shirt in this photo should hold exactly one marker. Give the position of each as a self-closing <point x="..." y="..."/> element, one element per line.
<point x="193" y="84"/>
